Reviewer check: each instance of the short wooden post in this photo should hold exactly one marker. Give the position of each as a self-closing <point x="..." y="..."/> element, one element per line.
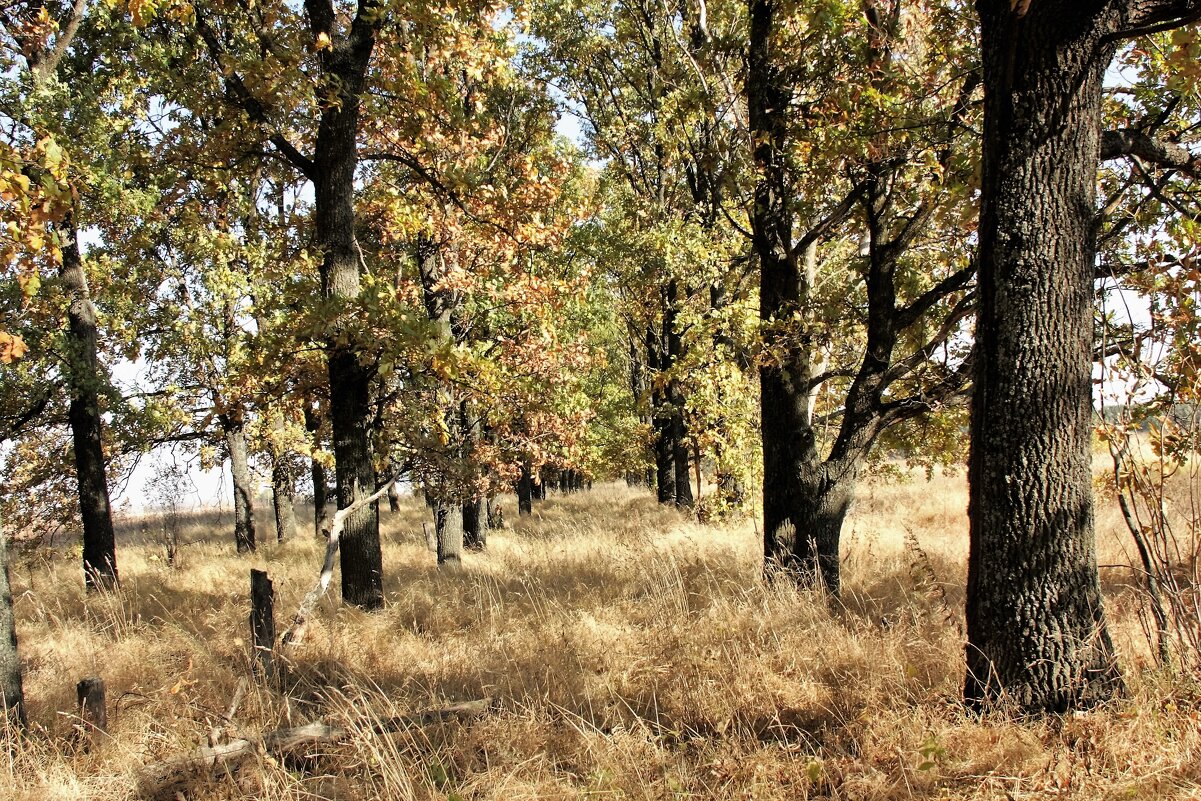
<point x="262" y="621"/>
<point x="93" y="712"/>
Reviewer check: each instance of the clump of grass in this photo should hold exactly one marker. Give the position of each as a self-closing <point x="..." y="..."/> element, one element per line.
<point x="629" y="652"/>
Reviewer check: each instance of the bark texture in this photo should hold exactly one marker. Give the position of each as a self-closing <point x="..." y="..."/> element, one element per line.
<point x="239" y="468"/>
<point x="336" y="157"/>
<point x="793" y="477"/>
<point x="12" y="698"/>
<point x="283" y="492"/>
<point x="475" y="536"/>
<point x="449" y="524"/>
<point x="87" y="428"/>
<point x="677" y="429"/>
<point x="665" y="472"/>
<point x="1036" y="629"/>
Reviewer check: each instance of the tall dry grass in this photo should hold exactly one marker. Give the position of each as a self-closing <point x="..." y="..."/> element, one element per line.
<point x="631" y="654"/>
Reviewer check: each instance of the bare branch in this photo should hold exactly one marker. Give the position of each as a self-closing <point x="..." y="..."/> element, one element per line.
<point x="295" y="633"/>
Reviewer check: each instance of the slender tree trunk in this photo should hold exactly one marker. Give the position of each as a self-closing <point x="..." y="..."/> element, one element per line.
<point x="665" y="474"/>
<point x="525" y="490"/>
<point x="449" y="524"/>
<point x="87" y="434"/>
<point x="334" y="164"/>
<point x="12" y="698"/>
<point x="283" y="491"/>
<point x="638" y="386"/>
<point x="680" y="459"/>
<point x="677" y="428"/>
<point x="239" y="468"/>
<point x="320" y="485"/>
<point x="1036" y="629"/>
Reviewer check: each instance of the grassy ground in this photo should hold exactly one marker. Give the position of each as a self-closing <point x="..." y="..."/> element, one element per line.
<point x="631" y="654"/>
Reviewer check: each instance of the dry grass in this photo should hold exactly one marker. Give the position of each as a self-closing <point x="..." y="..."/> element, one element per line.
<point x="632" y="654"/>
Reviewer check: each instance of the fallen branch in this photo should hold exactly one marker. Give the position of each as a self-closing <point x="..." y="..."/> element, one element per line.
<point x="295" y="633"/>
<point x="162" y="780"/>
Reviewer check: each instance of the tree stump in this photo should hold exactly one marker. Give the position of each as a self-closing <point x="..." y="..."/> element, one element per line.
<point x="93" y="711"/>
<point x="262" y="622"/>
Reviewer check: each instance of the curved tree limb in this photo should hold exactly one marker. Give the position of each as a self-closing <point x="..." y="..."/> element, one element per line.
<point x="295" y="633"/>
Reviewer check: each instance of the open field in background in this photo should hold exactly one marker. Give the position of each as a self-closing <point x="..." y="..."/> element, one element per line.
<point x="631" y="654"/>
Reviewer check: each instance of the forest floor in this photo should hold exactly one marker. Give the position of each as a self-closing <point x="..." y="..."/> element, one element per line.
<point x="628" y="652"/>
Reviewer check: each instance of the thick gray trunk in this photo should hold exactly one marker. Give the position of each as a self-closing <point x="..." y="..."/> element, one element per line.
<point x="449" y="523"/>
<point x="665" y="473"/>
<point x="1037" y="636"/>
<point x="791" y="462"/>
<point x="239" y="468"/>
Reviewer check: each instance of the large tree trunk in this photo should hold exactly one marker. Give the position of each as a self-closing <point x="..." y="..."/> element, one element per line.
<point x="12" y="699"/>
<point x="474" y="537"/>
<point x="448" y="519"/>
<point x="83" y="377"/>
<point x="792" y="478"/>
<point x="1036" y="629"/>
<point x="349" y="378"/>
<point x="350" y="415"/>
<point x="239" y="469"/>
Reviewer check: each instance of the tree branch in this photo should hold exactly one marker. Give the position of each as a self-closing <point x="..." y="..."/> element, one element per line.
<point x="239" y="95"/>
<point x="295" y="633"/>
<point x="1133" y="142"/>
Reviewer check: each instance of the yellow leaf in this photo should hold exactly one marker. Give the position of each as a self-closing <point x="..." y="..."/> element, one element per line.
<point x="12" y="347"/>
<point x="323" y="42"/>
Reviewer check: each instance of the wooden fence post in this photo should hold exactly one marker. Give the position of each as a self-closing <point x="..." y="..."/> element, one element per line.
<point x="262" y="621"/>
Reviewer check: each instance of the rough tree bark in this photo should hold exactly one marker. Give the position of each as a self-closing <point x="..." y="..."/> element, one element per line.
<point x="283" y="492"/>
<point x="87" y="428"/>
<point x="336" y="156"/>
<point x="475" y="537"/>
<point x="239" y="468"/>
<point x="1037" y="635"/>
<point x="12" y="698"/>
<point x="789" y="443"/>
<point x="448" y="517"/>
